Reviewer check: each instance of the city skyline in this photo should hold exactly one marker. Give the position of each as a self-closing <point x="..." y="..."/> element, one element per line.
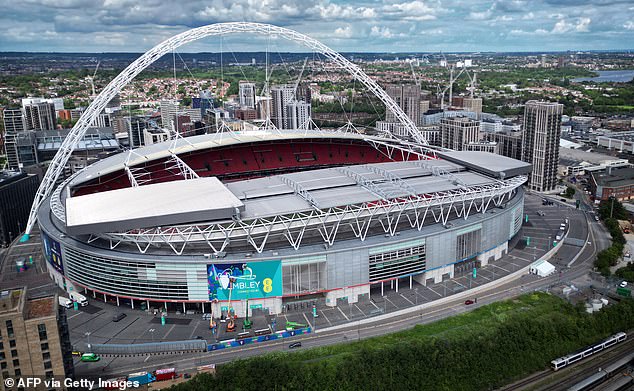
<point x="360" y="26"/>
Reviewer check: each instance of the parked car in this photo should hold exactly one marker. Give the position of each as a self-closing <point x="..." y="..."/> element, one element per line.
<point x="118" y="317"/>
<point x="469" y="302"/>
<point x="623" y="284"/>
<point x="295" y="345"/>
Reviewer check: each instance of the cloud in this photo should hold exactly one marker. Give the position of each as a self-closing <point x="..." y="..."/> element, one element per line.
<point x="343" y="32"/>
<point x="347" y="25"/>
<point x="382" y="32"/>
<point x="563" y="26"/>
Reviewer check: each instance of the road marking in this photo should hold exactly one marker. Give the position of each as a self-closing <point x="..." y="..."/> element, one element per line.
<point x="360" y="309"/>
<point x="169" y="331"/>
<point x="147" y="358"/>
<point x="344" y="315"/>
<point x="391" y="302"/>
<point x="408" y="300"/>
<point x="375" y="306"/>
<point x="72" y="316"/>
<point x="501" y="268"/>
<point x="325" y="317"/>
<point x="194" y="330"/>
<point x="434" y="291"/>
<point x="307" y="321"/>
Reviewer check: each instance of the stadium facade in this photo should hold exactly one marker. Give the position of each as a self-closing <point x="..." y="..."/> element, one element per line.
<point x="275" y="217"/>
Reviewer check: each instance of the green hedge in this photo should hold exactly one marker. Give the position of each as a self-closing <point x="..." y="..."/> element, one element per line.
<point x="483" y="349"/>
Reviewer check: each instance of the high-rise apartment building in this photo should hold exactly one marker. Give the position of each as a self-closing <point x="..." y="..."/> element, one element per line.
<point x="40" y="116"/>
<point x="472" y="104"/>
<point x="246" y="94"/>
<point x="408" y="98"/>
<point x="282" y="95"/>
<point x="540" y="145"/>
<point x="169" y="107"/>
<point x="35" y="337"/>
<point x="509" y="143"/>
<point x="13" y="120"/>
<point x="458" y="131"/>
<point x="298" y="115"/>
<point x="17" y="191"/>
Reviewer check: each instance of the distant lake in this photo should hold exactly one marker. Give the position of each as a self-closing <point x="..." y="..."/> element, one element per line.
<point x="610" y="76"/>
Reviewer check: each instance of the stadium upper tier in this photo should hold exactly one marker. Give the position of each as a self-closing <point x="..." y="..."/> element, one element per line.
<point x="275" y="189"/>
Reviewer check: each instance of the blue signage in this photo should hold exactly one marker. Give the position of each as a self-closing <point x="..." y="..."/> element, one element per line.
<point x="53" y="252"/>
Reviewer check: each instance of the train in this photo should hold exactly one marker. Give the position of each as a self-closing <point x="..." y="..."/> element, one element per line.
<point x="141" y="378"/>
<point x="604" y="373"/>
<point x="564" y="361"/>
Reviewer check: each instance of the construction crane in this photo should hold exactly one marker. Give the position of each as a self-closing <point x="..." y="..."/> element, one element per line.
<point x="299" y="78"/>
<point x="472" y="83"/>
<point x="92" y="78"/>
<point x="452" y="79"/>
<point x="416" y="80"/>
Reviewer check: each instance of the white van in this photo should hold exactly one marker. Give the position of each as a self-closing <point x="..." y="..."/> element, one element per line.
<point x="64" y="301"/>
<point x="79" y="298"/>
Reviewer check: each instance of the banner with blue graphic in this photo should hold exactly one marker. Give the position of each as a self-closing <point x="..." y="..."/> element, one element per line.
<point x="250" y="280"/>
<point x="53" y="252"/>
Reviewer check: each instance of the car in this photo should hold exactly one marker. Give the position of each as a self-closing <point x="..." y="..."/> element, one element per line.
<point x="206" y="316"/>
<point x="596" y="218"/>
<point x="469" y="302"/>
<point x="198" y="337"/>
<point x="118" y="317"/>
<point x="563" y="200"/>
<point x="295" y="345"/>
<point x="623" y="284"/>
<point x="89" y="357"/>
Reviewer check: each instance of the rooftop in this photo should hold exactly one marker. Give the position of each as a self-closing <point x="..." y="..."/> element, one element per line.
<point x="10" y="300"/>
<point x="488" y="163"/>
<point x="618" y="177"/>
<point x="40" y="308"/>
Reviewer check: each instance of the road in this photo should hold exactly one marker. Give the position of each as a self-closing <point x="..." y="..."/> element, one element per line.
<point x="188" y="362"/>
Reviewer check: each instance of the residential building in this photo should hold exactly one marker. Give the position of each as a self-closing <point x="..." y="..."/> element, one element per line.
<point x="459" y="131"/>
<point x="17" y="191"/>
<point x="407" y="96"/>
<point x="246" y="94"/>
<point x="169" y="108"/>
<point x="35" y="338"/>
<point x="509" y="143"/>
<point x="298" y="114"/>
<point x="540" y="144"/>
<point x="472" y="104"/>
<point x="40" y="116"/>
<point x="13" y="120"/>
<point x="282" y="95"/>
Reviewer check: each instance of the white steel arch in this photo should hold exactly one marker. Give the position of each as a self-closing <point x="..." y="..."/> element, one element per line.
<point x="109" y="92"/>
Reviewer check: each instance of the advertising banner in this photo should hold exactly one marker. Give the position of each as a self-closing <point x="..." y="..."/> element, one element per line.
<point x="53" y="252"/>
<point x="250" y="280"/>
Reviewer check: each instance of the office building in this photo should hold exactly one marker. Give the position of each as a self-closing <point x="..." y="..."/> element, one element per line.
<point x="540" y="145"/>
<point x="282" y="95"/>
<point x="246" y="94"/>
<point x="35" y="337"/>
<point x="136" y="126"/>
<point x="17" y="191"/>
<point x="459" y="131"/>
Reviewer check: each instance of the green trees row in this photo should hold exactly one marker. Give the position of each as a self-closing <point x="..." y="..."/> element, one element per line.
<point x="484" y="349"/>
<point x="610" y="212"/>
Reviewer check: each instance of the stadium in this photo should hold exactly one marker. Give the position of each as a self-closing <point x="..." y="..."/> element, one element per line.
<point x="269" y="216"/>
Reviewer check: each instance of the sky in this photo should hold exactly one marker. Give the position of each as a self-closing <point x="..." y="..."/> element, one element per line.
<point x="346" y="26"/>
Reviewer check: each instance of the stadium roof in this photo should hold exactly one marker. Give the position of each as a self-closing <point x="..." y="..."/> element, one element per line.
<point x="488" y="163"/>
<point x="151" y="205"/>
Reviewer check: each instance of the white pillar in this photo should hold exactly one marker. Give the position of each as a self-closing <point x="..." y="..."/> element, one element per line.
<point x="410" y="282"/>
<point x="203" y="305"/>
<point x="397" y="285"/>
<point x="184" y="308"/>
<point x="104" y="298"/>
<point x="165" y="306"/>
<point x="117" y="300"/>
<point x="381" y="288"/>
<point x="132" y="302"/>
<point x="148" y="305"/>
